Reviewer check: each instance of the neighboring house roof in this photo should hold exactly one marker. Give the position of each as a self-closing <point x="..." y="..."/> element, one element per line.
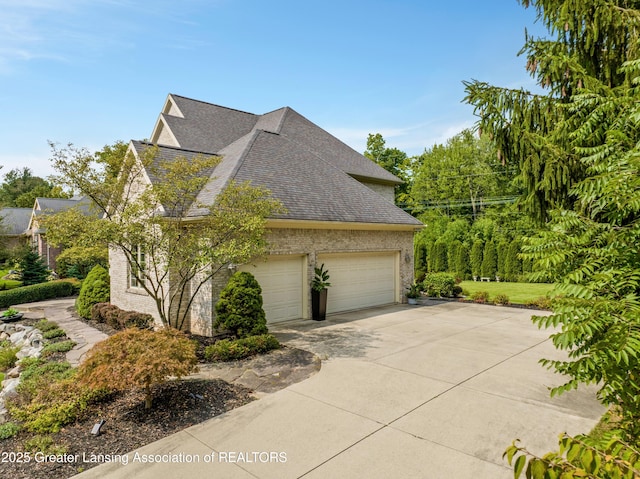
<point x="43" y="206"/>
<point x="14" y="221"/>
<point x="314" y="175"/>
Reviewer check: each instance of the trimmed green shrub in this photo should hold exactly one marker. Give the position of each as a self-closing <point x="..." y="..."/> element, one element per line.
<point x="95" y="289"/>
<point x="61" y="347"/>
<point x="480" y="296"/>
<point x="502" y="251"/>
<point x="32" y="268"/>
<point x="452" y="254"/>
<point x="439" y="285"/>
<point x="513" y="264"/>
<point x="489" y="260"/>
<point x="475" y="258"/>
<point x="240" y="306"/>
<point x="36" y="292"/>
<point x="228" y="350"/>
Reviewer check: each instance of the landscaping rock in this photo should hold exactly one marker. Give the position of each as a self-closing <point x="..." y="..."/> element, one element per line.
<point x="13" y="373"/>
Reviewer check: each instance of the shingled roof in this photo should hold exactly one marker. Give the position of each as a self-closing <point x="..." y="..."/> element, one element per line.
<point x="315" y="175"/>
<point x="14" y="221"/>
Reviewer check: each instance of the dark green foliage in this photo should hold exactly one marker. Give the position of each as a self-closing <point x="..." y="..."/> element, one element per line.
<point x="36" y="292"/>
<point x="439" y="285"/>
<point x="240" y="306"/>
<point x="77" y="262"/>
<point x="439" y="255"/>
<point x="95" y="289"/>
<point x="33" y="269"/>
<point x="228" y="350"/>
<point x="513" y="264"/>
<point x="476" y="258"/>
<point x="502" y="251"/>
<point x="462" y="263"/>
<point x="120" y="319"/>
<point x="420" y="261"/>
<point x="320" y="279"/>
<point x="489" y="260"/>
<point x="452" y="254"/>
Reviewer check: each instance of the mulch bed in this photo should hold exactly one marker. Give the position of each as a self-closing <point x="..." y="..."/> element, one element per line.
<point x="177" y="405"/>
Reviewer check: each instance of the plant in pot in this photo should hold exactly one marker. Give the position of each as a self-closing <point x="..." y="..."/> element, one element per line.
<point x="319" y="287"/>
<point x="11" y="314"/>
<point x="413" y="294"/>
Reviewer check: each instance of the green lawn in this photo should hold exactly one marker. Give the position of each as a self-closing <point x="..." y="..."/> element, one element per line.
<point x="518" y="293"/>
<point x="8" y="283"/>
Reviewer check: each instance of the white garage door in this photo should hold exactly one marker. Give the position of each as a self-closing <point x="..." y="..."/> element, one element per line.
<point x="360" y="280"/>
<point x="281" y="280"/>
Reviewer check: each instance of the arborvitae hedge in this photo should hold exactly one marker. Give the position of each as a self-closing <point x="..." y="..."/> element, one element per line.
<point x="439" y="257"/>
<point x="462" y="263"/>
<point x="513" y="264"/>
<point x="476" y="258"/>
<point x="489" y="260"/>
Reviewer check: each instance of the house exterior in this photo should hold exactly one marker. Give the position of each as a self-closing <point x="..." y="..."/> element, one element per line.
<point x="38" y="234"/>
<point x="14" y="226"/>
<point x="339" y="211"/>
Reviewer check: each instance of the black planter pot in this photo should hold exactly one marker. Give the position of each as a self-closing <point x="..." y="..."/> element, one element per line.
<point x="11" y="319"/>
<point x="319" y="305"/>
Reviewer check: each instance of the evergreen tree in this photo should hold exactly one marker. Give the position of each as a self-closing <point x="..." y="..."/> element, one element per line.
<point x="513" y="264"/>
<point x="452" y="254"/>
<point x="535" y="132"/>
<point x="476" y="258"/>
<point x="439" y="257"/>
<point x="420" y="261"/>
<point x="33" y="269"/>
<point x="462" y="264"/>
<point x="503" y="248"/>
<point x="489" y="260"/>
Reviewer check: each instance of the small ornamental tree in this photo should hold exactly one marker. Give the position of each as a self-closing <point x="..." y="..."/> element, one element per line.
<point x="240" y="306"/>
<point x="136" y="358"/>
<point x="476" y="258"/>
<point x="33" y="269"/>
<point x="489" y="260"/>
<point x="95" y="289"/>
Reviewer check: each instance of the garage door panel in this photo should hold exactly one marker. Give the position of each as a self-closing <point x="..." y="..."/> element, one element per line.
<point x="360" y="280"/>
<point x="281" y="280"/>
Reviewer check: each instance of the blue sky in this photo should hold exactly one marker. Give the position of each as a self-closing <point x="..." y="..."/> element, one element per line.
<point x="91" y="72"/>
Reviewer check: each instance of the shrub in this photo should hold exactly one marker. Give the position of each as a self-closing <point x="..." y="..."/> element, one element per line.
<point x="8" y="357"/>
<point x="119" y="319"/>
<point x="95" y="289"/>
<point x="462" y="265"/>
<point x="36" y="292"/>
<point x="439" y="284"/>
<point x="32" y="268"/>
<point x="77" y="261"/>
<point x="240" y="306"/>
<point x="45" y="325"/>
<point x="480" y="296"/>
<point x="61" y="347"/>
<point x="54" y="333"/>
<point x="8" y="430"/>
<point x="541" y="303"/>
<point x="228" y="350"/>
<point x="138" y="358"/>
<point x="513" y="264"/>
<point x="45" y="445"/>
<point x="501" y="299"/>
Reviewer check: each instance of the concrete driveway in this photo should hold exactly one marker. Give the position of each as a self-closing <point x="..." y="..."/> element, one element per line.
<point x="433" y="391"/>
